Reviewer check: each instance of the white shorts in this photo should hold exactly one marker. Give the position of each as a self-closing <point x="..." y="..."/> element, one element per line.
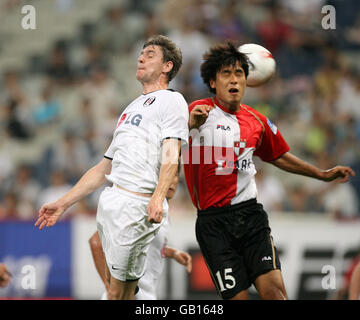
<point x="125" y="232"/>
<point x="148" y="283"/>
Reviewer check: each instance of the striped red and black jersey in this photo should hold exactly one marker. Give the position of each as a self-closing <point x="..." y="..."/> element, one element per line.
<point x="218" y="163"/>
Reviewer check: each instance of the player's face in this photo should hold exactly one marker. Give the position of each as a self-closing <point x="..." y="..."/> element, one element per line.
<point x="172" y="189"/>
<point x="150" y="64"/>
<point x="230" y="85"/>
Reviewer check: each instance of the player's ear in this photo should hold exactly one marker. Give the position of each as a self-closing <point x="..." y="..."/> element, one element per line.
<point x="212" y="83"/>
<point x="168" y="66"/>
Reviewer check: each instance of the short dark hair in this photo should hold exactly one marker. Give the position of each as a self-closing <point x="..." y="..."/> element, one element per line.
<point x="221" y="55"/>
<point x="170" y="53"/>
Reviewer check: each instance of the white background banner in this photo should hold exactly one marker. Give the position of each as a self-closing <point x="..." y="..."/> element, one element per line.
<point x="314" y="251"/>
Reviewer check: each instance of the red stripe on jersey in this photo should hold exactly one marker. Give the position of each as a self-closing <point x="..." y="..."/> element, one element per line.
<point x="206" y="185"/>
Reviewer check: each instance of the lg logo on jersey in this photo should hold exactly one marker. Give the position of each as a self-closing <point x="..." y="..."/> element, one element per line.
<point x="129" y="119"/>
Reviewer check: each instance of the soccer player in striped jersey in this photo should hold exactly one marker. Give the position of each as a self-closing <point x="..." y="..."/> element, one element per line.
<point x="232" y="228"/>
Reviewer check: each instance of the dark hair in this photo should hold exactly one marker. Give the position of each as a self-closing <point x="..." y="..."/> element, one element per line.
<point x="221" y="55"/>
<point x="170" y="53"/>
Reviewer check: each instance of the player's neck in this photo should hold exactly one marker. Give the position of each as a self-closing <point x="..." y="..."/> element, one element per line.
<point x="231" y="107"/>
<point x="159" y="84"/>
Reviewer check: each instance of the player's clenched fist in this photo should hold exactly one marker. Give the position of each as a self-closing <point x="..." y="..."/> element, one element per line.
<point x="49" y="214"/>
<point x="155" y="210"/>
<point x="198" y="115"/>
<point x="341" y="172"/>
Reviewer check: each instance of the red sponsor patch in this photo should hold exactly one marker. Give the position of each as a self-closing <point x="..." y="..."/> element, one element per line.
<point x="123" y="117"/>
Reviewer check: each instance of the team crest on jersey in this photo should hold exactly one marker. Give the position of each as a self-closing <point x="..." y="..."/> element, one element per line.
<point x="239" y="147"/>
<point x="149" y="101"/>
<point x="272" y="126"/>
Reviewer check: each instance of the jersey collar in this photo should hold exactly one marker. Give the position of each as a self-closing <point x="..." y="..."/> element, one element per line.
<point x="217" y="103"/>
<point x="144" y="94"/>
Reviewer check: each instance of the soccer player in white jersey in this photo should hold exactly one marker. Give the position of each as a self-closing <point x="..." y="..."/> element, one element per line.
<point x="232" y="228"/>
<point x="141" y="162"/>
<point x="158" y="250"/>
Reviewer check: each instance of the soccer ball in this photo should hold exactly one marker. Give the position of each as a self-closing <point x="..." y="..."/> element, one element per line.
<point x="262" y="65"/>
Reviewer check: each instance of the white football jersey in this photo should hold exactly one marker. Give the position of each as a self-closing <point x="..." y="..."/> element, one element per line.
<point x="135" y="150"/>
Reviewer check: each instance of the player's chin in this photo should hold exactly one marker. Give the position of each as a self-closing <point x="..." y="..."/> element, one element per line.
<point x="140" y="75"/>
<point x="234" y="99"/>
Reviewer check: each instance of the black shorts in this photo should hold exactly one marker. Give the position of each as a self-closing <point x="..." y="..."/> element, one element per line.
<point x="237" y="245"/>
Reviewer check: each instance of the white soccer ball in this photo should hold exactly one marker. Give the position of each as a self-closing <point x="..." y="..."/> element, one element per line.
<point x="262" y="64"/>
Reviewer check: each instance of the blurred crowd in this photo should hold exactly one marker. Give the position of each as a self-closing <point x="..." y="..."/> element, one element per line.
<point x="57" y="116"/>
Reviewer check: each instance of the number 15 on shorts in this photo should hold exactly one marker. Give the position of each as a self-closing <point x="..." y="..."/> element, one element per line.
<point x="227" y="281"/>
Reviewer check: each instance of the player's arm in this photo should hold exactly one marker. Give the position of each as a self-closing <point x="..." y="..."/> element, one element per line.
<point x="354" y="287"/>
<point x="180" y="256"/>
<point x="94" y="178"/>
<point x="293" y="164"/>
<point x="198" y="115"/>
<point x="168" y="170"/>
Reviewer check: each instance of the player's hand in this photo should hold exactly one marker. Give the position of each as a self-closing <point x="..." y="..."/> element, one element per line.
<point x="338" y="172"/>
<point x="184" y="258"/>
<point x="49" y="214"/>
<point x="5" y="276"/>
<point x="198" y="115"/>
<point x="155" y="210"/>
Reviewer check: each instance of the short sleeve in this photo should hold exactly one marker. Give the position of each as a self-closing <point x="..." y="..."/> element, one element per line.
<point x="175" y="117"/>
<point x="272" y="145"/>
<point x="109" y="154"/>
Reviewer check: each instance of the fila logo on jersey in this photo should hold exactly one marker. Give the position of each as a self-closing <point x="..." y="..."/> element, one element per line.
<point x="222" y="127"/>
<point x="266" y="258"/>
<point x="134" y="120"/>
<point x="149" y="101"/>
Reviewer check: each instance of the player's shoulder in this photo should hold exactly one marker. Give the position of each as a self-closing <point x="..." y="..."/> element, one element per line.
<point x="172" y="95"/>
<point x="264" y="120"/>
<point x="205" y="101"/>
<point x="254" y="112"/>
<point x="171" y="92"/>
